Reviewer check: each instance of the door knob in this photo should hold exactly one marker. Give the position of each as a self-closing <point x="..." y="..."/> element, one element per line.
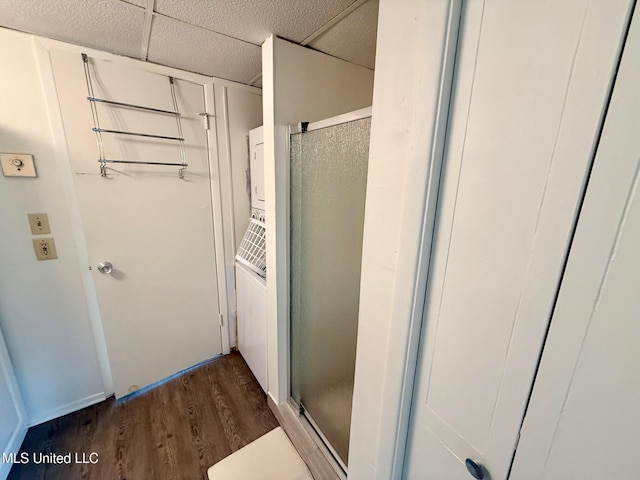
<point x="105" y="267"/>
<point x="475" y="469"/>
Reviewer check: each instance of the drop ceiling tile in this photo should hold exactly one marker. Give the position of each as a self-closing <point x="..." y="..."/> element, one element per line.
<point x="354" y="37"/>
<point x="106" y="25"/>
<point x="255" y="20"/>
<point x="192" y="48"/>
<point x="139" y="3"/>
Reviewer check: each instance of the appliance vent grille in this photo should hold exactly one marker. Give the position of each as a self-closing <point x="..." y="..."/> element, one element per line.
<point x="252" y="248"/>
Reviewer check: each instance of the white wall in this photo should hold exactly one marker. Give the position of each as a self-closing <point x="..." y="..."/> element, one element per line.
<point x="299" y="84"/>
<point x="13" y="421"/>
<point x="239" y="109"/>
<point x="43" y="309"/>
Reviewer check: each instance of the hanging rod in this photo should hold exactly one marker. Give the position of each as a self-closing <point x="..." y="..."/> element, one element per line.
<point x="106" y="160"/>
<point x="98" y="131"/>
<point x="120" y="132"/>
<point x="131" y="105"/>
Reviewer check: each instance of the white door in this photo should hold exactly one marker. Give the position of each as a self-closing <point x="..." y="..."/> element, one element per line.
<point x="531" y="84"/>
<point x="582" y="421"/>
<point x="159" y="306"/>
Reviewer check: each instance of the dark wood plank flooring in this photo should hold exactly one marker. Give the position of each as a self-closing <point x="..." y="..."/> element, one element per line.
<point x="174" y="431"/>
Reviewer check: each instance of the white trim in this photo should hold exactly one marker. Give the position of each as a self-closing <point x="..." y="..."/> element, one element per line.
<point x="330" y="122"/>
<point x="67" y="408"/>
<point x="220" y="143"/>
<point x="227" y="148"/>
<point x="277" y="224"/>
<point x="436" y="159"/>
<point x="285" y="330"/>
<point x="390" y="322"/>
<point x="13" y="446"/>
<point x="216" y="210"/>
<point x="268" y="125"/>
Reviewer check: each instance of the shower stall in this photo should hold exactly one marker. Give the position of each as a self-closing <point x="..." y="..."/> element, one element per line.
<point x="328" y="177"/>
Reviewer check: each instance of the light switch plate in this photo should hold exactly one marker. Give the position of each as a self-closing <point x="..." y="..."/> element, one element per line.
<point x="39" y="223"/>
<point x="45" y="248"/>
<point x="17" y="165"/>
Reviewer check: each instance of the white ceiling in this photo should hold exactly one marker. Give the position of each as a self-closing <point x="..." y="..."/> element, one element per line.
<point x="220" y="38"/>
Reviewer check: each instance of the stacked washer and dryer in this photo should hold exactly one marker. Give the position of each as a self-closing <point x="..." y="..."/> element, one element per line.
<point x="251" y="271"/>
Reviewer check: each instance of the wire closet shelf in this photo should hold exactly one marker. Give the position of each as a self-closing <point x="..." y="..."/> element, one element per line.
<point x="93" y="100"/>
<point x="251" y="252"/>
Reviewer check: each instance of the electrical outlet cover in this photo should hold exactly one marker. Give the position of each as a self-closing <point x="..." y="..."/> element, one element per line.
<point x="45" y="248"/>
<point x="17" y="165"/>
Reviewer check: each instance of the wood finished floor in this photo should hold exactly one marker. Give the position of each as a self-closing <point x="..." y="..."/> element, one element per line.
<point x="175" y="431"/>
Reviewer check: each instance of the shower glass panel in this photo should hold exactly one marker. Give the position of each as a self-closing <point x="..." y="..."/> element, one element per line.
<point x="328" y="183"/>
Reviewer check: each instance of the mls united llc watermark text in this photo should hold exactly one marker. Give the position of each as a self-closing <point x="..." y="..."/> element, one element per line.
<point x="51" y="458"/>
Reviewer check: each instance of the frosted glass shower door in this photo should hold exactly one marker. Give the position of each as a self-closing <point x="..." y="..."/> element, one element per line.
<point x="328" y="184"/>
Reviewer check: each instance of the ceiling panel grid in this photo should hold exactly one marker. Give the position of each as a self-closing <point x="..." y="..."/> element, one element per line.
<point x="220" y="38"/>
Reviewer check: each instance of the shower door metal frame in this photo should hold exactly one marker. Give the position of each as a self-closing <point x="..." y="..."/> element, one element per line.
<point x="331" y="122"/>
<point x="305" y="419"/>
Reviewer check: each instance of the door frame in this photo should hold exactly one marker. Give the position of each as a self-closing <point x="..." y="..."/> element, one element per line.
<point x="381" y="411"/>
<point x="315" y="432"/>
<point x="42" y="46"/>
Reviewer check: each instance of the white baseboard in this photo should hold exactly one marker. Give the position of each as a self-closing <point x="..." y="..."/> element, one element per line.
<point x="13" y="446"/>
<point x="273" y="399"/>
<point x="67" y="408"/>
